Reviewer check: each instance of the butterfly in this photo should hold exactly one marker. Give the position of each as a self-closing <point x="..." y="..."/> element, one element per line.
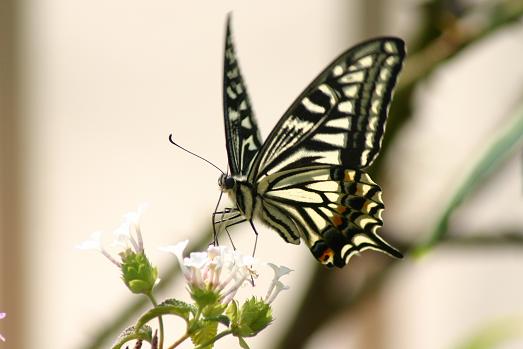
<point x="307" y="180"/>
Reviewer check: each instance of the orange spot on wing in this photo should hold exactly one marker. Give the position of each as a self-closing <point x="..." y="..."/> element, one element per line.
<point x="349" y="175"/>
<point x="341" y="209"/>
<point x="337" y="220"/>
<point x="326" y="255"/>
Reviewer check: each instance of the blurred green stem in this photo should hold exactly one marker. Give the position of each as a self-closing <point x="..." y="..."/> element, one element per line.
<point x="456" y="37"/>
<point x="505" y="143"/>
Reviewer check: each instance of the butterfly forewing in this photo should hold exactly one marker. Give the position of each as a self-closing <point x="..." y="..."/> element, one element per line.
<point x="241" y="131"/>
<point x="340" y="118"/>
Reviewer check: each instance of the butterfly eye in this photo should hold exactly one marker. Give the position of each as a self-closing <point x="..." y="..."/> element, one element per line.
<point x="229" y="183"/>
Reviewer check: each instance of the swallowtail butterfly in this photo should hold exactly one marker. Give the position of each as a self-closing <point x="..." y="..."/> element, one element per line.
<point x="307" y="180"/>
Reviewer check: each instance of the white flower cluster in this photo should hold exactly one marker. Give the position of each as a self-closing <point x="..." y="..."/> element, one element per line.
<point x="223" y="270"/>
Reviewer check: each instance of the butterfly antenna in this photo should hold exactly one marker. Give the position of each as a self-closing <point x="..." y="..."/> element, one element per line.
<point x="190" y="152"/>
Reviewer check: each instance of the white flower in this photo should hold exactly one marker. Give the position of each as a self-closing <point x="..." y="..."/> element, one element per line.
<point x="279" y="271"/>
<point x="2" y="315"/>
<point x="218" y="269"/>
<point x="94" y="242"/>
<point x="278" y="287"/>
<point x="126" y="236"/>
<point x="223" y="270"/>
<point x="177" y="250"/>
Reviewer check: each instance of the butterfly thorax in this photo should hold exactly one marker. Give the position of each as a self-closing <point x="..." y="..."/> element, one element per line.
<point x="240" y="191"/>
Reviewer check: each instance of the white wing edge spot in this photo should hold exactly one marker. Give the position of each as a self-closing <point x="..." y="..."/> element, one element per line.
<point x="346" y="107"/>
<point x="337" y="71"/>
<point x="351" y="91"/>
<point x="352" y="77"/>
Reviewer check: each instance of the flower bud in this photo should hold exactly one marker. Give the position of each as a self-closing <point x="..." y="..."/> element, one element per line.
<point x="137" y="272"/>
<point x="254" y="316"/>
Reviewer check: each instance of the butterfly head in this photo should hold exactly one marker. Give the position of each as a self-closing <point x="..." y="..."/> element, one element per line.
<point x="226" y="182"/>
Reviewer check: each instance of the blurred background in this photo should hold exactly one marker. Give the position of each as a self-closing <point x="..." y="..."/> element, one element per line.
<point x="90" y="90"/>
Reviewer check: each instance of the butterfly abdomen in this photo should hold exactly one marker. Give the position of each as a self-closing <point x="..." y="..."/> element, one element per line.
<point x="243" y="194"/>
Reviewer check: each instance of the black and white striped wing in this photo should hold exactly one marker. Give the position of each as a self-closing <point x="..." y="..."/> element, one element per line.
<point x="309" y="173"/>
<point x="336" y="211"/>
<point x="339" y="119"/>
<point x="241" y="131"/>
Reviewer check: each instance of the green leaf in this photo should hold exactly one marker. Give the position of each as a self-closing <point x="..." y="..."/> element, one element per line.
<point x="167" y="307"/>
<point x="131" y="333"/>
<point x="243" y="343"/>
<point x="183" y="308"/>
<point x="254" y="316"/>
<point x="206" y="331"/>
<point x="506" y="142"/>
<point x="214" y="310"/>
<point x="232" y="311"/>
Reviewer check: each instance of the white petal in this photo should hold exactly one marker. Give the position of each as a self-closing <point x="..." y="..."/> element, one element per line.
<point x="93" y="243"/>
<point x="122" y="236"/>
<point x="279" y="287"/>
<point x="176" y="249"/>
<point x="214" y="251"/>
<point x="279" y="271"/>
<point x="134" y="216"/>
<point x="196" y="260"/>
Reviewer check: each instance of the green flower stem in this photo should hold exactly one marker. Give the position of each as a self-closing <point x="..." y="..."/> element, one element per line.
<point x="160" y="320"/>
<point x="180" y="341"/>
<point x="212" y="341"/>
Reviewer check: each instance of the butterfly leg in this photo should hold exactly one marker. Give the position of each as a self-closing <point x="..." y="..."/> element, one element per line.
<point x="229" y="235"/>
<point x="256" y="240"/>
<point x="222" y="219"/>
<point x="229" y="217"/>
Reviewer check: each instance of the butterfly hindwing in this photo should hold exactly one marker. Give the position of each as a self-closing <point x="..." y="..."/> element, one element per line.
<point x="336" y="211"/>
<point x="241" y="130"/>
<point x="339" y="119"/>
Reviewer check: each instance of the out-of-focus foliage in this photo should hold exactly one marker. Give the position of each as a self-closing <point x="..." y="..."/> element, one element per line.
<point x="494" y="334"/>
